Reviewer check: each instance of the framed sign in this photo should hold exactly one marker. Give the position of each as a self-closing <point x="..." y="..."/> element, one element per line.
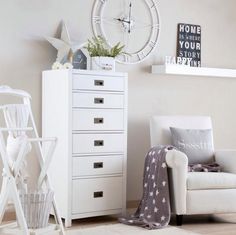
<point x="189" y="43"/>
<point x="79" y="60"/>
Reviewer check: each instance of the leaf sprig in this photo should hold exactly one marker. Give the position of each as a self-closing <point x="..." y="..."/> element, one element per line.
<point x="98" y="46"/>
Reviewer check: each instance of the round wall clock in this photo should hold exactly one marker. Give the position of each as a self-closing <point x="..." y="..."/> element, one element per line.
<point x="134" y="23"/>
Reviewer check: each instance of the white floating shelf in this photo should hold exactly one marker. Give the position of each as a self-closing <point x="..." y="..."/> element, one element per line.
<point x="193" y="71"/>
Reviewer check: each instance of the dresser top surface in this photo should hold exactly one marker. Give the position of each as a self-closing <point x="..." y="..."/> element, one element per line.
<point x="87" y="72"/>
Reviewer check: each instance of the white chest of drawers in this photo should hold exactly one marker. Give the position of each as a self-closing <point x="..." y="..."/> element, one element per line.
<point x="87" y="111"/>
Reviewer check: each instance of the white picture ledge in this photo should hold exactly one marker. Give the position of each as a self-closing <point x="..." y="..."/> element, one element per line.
<point x="192" y="71"/>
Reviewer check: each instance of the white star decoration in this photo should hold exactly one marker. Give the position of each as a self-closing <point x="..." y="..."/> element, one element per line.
<point x="64" y="45"/>
<point x="163" y="218"/>
<point x="163" y="183"/>
<point x="155" y="209"/>
<point x="163" y="165"/>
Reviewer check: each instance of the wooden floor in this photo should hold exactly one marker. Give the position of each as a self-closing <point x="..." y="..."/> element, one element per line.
<point x="202" y="224"/>
<point x="210" y="225"/>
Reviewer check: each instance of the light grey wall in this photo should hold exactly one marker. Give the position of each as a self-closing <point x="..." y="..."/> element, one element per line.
<point x="23" y="55"/>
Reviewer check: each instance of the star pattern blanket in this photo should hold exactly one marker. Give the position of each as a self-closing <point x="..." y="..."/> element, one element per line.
<point x="154" y="209"/>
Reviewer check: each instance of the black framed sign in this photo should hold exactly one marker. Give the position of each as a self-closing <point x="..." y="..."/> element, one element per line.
<point x="189" y="44"/>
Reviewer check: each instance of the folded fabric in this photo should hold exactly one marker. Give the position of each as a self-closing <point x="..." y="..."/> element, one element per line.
<point x="210" y="167"/>
<point x="17" y="116"/>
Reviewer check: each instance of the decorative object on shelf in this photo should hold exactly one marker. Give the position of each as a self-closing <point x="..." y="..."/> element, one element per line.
<point x="103" y="63"/>
<point x="102" y="56"/>
<point x="140" y="37"/>
<point x="68" y="66"/>
<point x="80" y="60"/>
<point x="56" y="65"/>
<point x="173" y="60"/>
<point x="189" y="43"/>
<point x="65" y="47"/>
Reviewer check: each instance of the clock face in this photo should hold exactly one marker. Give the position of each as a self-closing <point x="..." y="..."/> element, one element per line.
<point x="133" y="23"/>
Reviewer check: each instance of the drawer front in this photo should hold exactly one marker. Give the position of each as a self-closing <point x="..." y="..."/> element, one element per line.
<point x="98" y="119"/>
<point x="98" y="194"/>
<point x="98" y="165"/>
<point x="98" y="143"/>
<point x="98" y="100"/>
<point x="98" y="83"/>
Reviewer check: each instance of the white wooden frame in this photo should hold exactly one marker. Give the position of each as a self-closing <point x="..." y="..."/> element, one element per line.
<point x="9" y="188"/>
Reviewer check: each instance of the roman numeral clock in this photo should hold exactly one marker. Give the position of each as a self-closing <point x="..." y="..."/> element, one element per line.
<point x="133" y="23"/>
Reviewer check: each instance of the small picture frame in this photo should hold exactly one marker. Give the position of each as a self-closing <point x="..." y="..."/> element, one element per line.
<point x="189" y="44"/>
<point x="81" y="59"/>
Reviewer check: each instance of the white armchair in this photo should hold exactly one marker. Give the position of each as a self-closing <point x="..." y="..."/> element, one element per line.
<point x="195" y="192"/>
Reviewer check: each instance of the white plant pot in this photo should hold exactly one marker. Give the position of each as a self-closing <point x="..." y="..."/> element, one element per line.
<point x="103" y="63"/>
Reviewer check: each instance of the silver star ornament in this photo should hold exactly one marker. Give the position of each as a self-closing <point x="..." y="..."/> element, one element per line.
<point x="65" y="47"/>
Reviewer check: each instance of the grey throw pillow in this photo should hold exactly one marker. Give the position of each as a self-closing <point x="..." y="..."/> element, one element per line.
<point x="196" y="144"/>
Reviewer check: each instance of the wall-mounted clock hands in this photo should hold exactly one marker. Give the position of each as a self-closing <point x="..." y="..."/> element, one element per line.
<point x="130" y="8"/>
<point x="122" y="20"/>
<point x="127" y="24"/>
<point x="136" y="24"/>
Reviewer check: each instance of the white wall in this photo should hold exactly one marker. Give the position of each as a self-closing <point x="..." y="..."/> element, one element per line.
<point x="23" y="55"/>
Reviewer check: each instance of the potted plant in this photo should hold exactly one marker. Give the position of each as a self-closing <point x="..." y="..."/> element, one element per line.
<point x="103" y="56"/>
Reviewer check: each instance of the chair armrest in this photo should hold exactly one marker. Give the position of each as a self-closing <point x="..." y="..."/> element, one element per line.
<point x="178" y="167"/>
<point x="227" y="160"/>
<point x="176" y="159"/>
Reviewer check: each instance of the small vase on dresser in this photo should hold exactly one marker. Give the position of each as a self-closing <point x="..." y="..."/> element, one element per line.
<point x="87" y="112"/>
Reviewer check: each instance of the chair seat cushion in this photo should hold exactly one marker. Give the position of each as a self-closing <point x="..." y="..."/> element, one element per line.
<point x="210" y="180"/>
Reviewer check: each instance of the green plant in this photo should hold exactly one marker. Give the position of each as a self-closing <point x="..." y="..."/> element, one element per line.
<point x="99" y="47"/>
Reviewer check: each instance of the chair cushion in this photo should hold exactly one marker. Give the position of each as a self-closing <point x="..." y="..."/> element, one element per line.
<point x="210" y="180"/>
<point x="197" y="144"/>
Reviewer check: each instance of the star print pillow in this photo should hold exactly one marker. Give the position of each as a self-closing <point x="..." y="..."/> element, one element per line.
<point x="196" y="144"/>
